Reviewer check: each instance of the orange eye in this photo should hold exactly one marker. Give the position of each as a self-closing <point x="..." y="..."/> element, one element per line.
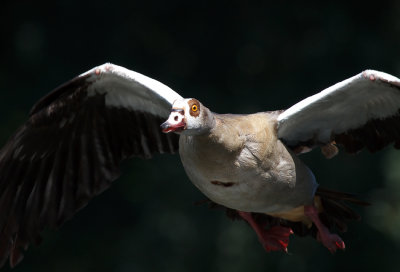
<point x="194" y="108"/>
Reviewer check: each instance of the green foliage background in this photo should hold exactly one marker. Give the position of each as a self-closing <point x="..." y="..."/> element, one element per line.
<point x="235" y="56"/>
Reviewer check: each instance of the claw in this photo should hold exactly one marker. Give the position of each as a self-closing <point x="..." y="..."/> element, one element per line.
<point x="340" y="245"/>
<point x="331" y="241"/>
<point x="275" y="238"/>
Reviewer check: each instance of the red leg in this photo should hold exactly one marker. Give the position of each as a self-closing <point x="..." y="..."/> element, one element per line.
<point x="274" y="239"/>
<point x="329" y="240"/>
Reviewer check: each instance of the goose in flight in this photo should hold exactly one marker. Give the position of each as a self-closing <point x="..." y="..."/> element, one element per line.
<point x="71" y="147"/>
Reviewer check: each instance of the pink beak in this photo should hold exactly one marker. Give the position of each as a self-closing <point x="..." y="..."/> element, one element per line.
<point x="175" y="122"/>
<point x="167" y="127"/>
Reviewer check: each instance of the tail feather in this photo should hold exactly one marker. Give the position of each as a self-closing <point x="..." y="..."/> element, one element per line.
<point x="336" y="212"/>
<point x="339" y="209"/>
<point x="342" y="196"/>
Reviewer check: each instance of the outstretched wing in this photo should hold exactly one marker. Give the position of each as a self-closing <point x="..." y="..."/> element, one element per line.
<point x="70" y="149"/>
<point x="362" y="111"/>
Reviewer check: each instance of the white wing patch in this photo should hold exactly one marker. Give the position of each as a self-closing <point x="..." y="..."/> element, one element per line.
<point x="131" y="90"/>
<point x="346" y="105"/>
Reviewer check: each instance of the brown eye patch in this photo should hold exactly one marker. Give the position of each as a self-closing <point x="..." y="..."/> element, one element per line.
<point x="194" y="106"/>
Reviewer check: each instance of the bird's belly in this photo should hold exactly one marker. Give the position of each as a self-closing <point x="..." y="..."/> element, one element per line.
<point x="244" y="195"/>
<point x="248" y="180"/>
<point x="244" y="189"/>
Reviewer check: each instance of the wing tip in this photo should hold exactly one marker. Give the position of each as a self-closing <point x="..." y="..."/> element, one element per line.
<point x="100" y="69"/>
<point x="374" y="75"/>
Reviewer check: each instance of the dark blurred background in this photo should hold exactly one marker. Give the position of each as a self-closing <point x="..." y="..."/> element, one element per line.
<point x="235" y="57"/>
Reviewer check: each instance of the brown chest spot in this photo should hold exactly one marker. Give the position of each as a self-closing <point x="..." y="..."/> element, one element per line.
<point x="220" y="183"/>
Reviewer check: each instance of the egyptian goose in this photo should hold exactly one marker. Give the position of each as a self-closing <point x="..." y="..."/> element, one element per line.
<point x="71" y="147"/>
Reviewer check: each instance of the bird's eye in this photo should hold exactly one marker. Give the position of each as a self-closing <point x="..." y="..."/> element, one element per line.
<point x="194" y="108"/>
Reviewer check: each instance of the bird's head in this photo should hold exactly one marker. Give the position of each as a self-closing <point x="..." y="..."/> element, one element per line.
<point x="189" y="116"/>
